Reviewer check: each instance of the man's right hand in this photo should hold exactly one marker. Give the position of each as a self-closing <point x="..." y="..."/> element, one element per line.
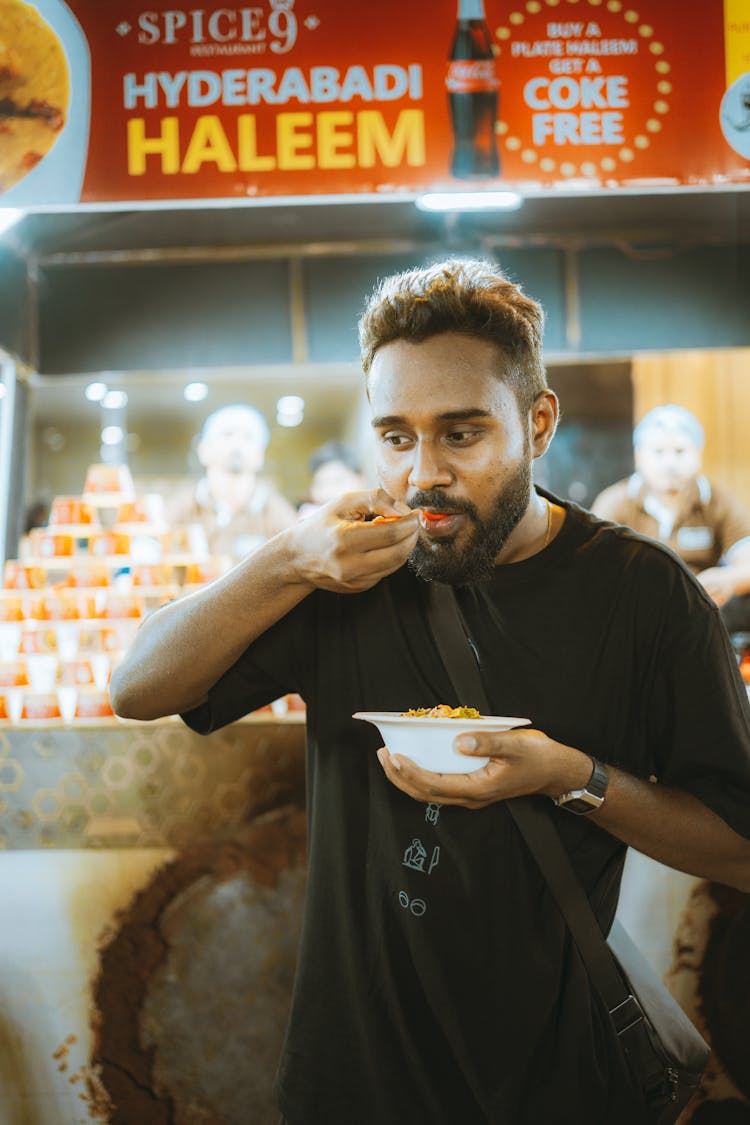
<point x="337" y="548"/>
<point x="340" y="548"/>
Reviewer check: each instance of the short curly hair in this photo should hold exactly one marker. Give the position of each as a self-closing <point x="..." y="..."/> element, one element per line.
<point x="464" y="295"/>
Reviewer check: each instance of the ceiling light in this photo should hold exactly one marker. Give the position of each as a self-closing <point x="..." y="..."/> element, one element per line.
<point x="9" y="216"/>
<point x="115" y="400"/>
<point x="195" y="392"/>
<point x="112" y="435"/>
<point x="469" y="201"/>
<point x="289" y="419"/>
<point x="95" y="392"/>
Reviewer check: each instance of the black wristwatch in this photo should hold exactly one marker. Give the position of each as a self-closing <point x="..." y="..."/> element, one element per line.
<point x="588" y="800"/>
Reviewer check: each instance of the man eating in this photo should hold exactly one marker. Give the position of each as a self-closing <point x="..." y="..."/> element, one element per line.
<point x="450" y="991"/>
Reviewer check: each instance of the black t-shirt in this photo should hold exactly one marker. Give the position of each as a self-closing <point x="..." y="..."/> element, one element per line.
<point x="437" y="983"/>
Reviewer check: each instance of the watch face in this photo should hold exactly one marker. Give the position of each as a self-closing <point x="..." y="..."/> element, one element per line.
<point x="579" y="805"/>
<point x="588" y="799"/>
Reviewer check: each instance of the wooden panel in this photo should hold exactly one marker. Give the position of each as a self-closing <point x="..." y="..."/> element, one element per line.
<point x="715" y="385"/>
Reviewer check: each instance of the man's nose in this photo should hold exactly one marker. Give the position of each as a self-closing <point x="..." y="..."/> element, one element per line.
<point x="429" y="468"/>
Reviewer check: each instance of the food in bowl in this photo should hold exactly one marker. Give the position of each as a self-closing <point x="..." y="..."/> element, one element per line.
<point x="441" y="711"/>
<point x="428" y="739"/>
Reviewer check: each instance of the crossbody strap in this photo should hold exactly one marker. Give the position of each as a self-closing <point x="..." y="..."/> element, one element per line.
<point x="532" y="818"/>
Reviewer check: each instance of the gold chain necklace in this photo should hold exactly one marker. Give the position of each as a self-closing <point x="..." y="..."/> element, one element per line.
<point x="549" y="523"/>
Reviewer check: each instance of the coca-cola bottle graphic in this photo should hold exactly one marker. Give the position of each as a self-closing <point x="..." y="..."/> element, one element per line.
<point x="472" y="86"/>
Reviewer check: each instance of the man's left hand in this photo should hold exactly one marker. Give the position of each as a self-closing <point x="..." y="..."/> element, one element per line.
<point x="521" y="762"/>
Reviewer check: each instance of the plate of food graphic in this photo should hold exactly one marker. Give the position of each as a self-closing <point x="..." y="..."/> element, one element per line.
<point x="34" y="90"/>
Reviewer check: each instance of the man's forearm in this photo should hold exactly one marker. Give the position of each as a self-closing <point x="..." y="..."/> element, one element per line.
<point x="675" y="828"/>
<point x="184" y="648"/>
<point x="669" y="825"/>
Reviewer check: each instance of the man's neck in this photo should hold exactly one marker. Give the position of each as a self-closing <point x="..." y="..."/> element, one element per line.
<point x="539" y="525"/>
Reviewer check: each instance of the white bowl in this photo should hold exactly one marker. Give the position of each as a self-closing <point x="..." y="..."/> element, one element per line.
<point x="429" y="742"/>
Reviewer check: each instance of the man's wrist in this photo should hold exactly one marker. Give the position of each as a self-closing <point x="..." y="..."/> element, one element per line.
<point x="573" y="771"/>
<point x="285" y="543"/>
<point x="587" y="798"/>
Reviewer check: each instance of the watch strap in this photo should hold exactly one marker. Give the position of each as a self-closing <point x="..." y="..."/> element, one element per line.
<point x="591" y="797"/>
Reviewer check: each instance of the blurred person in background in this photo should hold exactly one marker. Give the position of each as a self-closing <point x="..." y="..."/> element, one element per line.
<point x="334" y="470"/>
<point x="237" y="509"/>
<point x="669" y="499"/>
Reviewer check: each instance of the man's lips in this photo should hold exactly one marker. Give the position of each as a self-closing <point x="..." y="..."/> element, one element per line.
<point x="434" y="523"/>
<point x="439" y="523"/>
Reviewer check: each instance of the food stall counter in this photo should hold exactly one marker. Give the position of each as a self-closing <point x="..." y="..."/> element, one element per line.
<point x="107" y="782"/>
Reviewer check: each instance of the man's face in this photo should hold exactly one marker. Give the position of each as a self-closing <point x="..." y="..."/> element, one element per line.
<point x="667" y="459"/>
<point x="232" y="442"/>
<point x="450" y="439"/>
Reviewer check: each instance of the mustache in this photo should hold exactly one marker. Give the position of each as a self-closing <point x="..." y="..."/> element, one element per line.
<point x="443" y="503"/>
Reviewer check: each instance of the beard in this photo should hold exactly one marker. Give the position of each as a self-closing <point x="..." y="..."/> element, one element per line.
<point x="440" y="560"/>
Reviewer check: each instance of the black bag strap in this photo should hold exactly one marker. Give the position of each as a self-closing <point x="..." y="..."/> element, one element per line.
<point x="532" y="818"/>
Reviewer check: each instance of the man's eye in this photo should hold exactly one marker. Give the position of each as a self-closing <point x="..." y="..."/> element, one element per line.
<point x="395" y="439"/>
<point x="461" y="437"/>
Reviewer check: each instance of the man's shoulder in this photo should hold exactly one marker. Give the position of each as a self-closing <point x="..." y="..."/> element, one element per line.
<point x="605" y="544"/>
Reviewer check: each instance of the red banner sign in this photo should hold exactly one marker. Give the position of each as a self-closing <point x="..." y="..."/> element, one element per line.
<point x="119" y="102"/>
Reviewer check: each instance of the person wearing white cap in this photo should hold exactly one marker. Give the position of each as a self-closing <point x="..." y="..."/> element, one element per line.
<point x="237" y="509"/>
<point x="669" y="499"/>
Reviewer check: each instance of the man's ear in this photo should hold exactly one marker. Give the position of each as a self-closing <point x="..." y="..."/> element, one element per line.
<point x="543" y="421"/>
